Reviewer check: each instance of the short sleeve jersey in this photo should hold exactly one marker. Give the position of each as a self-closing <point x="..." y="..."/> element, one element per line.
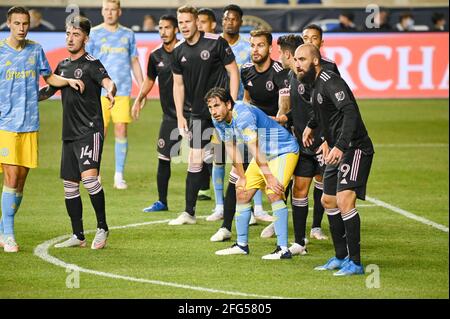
<point x="82" y="113"/>
<point x="159" y="66"/>
<point x="202" y="66"/>
<point x="241" y="50"/>
<point x="19" y="86"/>
<point x="264" y="88"/>
<point x="114" y="50"/>
<point x="248" y="123"/>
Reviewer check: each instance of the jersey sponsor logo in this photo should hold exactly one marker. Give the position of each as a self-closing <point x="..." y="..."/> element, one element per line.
<point x="269" y="86"/>
<point x="78" y="73"/>
<point x="319" y="98"/>
<point x="250" y="83"/>
<point x="183" y="59"/>
<point x="161" y="143"/>
<point x="340" y="96"/>
<point x="205" y="55"/>
<point x="11" y="74"/>
<point x="301" y="89"/>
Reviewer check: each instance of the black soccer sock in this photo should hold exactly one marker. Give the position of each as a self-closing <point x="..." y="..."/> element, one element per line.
<point x="229" y="208"/>
<point x="318" y="208"/>
<point x="74" y="208"/>
<point x="193" y="182"/>
<point x="352" y="224"/>
<point x="299" y="216"/>
<point x="95" y="190"/>
<point x="206" y="176"/>
<point x="337" y="230"/>
<point x="162" y="180"/>
<point x="288" y="192"/>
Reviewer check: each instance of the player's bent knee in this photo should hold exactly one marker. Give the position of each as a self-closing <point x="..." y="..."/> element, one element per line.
<point x="328" y="201"/>
<point x="346" y="200"/>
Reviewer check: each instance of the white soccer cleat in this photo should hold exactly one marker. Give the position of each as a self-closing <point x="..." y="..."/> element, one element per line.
<point x="268" y="232"/>
<point x="297" y="249"/>
<point x="252" y="220"/>
<point x="278" y="253"/>
<point x="221" y="235"/>
<point x="263" y="216"/>
<point x="233" y="250"/>
<point x="100" y="239"/>
<point x="72" y="242"/>
<point x="120" y="184"/>
<point x="184" y="218"/>
<point x="10" y="245"/>
<point x="317" y="233"/>
<point x="217" y="215"/>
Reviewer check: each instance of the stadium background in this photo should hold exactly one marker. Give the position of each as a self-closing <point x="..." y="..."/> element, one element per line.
<point x="401" y="81"/>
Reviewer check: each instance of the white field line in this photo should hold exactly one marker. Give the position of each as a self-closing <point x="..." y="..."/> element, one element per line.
<point x="41" y="251"/>
<point x="407" y="214"/>
<point x="412" y="145"/>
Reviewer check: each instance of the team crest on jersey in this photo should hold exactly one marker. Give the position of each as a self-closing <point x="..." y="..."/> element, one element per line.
<point x="78" y="73"/>
<point x="31" y="60"/>
<point x="161" y="143"/>
<point x="269" y="86"/>
<point x="319" y="98"/>
<point x="340" y="96"/>
<point x="205" y="55"/>
<point x="124" y="40"/>
<point x="301" y="89"/>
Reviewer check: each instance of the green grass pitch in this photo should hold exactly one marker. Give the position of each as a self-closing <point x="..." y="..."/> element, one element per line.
<point x="410" y="172"/>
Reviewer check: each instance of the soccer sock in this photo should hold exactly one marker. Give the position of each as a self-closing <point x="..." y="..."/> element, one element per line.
<point x="337" y="230"/>
<point x="218" y="174"/>
<point x="206" y="176"/>
<point x="8" y="210"/>
<point x="193" y="182"/>
<point x="299" y="216"/>
<point x="318" y="208"/>
<point x="95" y="190"/>
<point x="243" y="213"/>
<point x="162" y="180"/>
<point x="230" y="206"/>
<point x="280" y="212"/>
<point x="121" y="149"/>
<point x="352" y="224"/>
<point x="257" y="201"/>
<point x="74" y="208"/>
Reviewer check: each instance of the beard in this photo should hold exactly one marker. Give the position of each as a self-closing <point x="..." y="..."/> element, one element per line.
<point x="261" y="60"/>
<point x="309" y="76"/>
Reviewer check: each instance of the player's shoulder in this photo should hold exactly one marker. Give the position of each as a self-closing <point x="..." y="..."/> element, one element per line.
<point x="327" y="60"/>
<point x="211" y="36"/>
<point x="328" y="76"/>
<point x="247" y="66"/>
<point x="97" y="28"/>
<point x="125" y="29"/>
<point x="277" y="67"/>
<point x="179" y="44"/>
<point x="157" y="49"/>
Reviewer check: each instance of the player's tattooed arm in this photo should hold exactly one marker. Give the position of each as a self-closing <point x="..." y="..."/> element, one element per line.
<point x="47" y="92"/>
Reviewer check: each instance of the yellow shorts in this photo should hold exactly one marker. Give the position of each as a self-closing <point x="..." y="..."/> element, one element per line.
<point x="19" y="149"/>
<point x="215" y="139"/>
<point x="120" y="113"/>
<point x="282" y="167"/>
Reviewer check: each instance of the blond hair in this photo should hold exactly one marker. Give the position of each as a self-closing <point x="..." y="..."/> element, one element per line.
<point x="112" y="1"/>
<point x="188" y="9"/>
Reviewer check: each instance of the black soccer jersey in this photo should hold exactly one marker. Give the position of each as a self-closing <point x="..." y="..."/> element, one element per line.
<point x="329" y="65"/>
<point x="159" y="65"/>
<point x="202" y="66"/>
<point x="341" y="121"/>
<point x="264" y="88"/>
<point x="82" y="113"/>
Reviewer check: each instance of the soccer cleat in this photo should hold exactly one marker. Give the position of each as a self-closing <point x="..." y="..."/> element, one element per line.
<point x="263" y="216"/>
<point x="278" y="253"/>
<point x="184" y="218"/>
<point x="120" y="184"/>
<point x="10" y="245"/>
<point x="204" y="194"/>
<point x="252" y="220"/>
<point x="216" y="215"/>
<point x="72" y="242"/>
<point x="268" y="232"/>
<point x="234" y="250"/>
<point x="221" y="235"/>
<point x="317" y="233"/>
<point x="350" y="268"/>
<point x="157" y="206"/>
<point x="297" y="249"/>
<point x="333" y="263"/>
<point x="100" y="239"/>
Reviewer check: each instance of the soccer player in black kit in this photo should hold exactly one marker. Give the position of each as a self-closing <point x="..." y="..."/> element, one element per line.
<point x="82" y="132"/>
<point x="159" y="66"/>
<point x="200" y="62"/>
<point x="347" y="163"/>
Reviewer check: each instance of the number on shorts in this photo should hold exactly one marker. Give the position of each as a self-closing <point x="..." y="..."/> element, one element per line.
<point x="86" y="152"/>
<point x="345" y="168"/>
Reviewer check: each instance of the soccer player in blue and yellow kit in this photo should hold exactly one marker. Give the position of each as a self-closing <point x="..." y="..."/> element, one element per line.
<point x="115" y="46"/>
<point x="275" y="155"/>
<point x="21" y="63"/>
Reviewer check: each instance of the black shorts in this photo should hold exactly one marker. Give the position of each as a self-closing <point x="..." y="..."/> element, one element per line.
<point x="169" y="141"/>
<point x="352" y="173"/>
<point x="309" y="165"/>
<point x="200" y="132"/>
<point x="81" y="155"/>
